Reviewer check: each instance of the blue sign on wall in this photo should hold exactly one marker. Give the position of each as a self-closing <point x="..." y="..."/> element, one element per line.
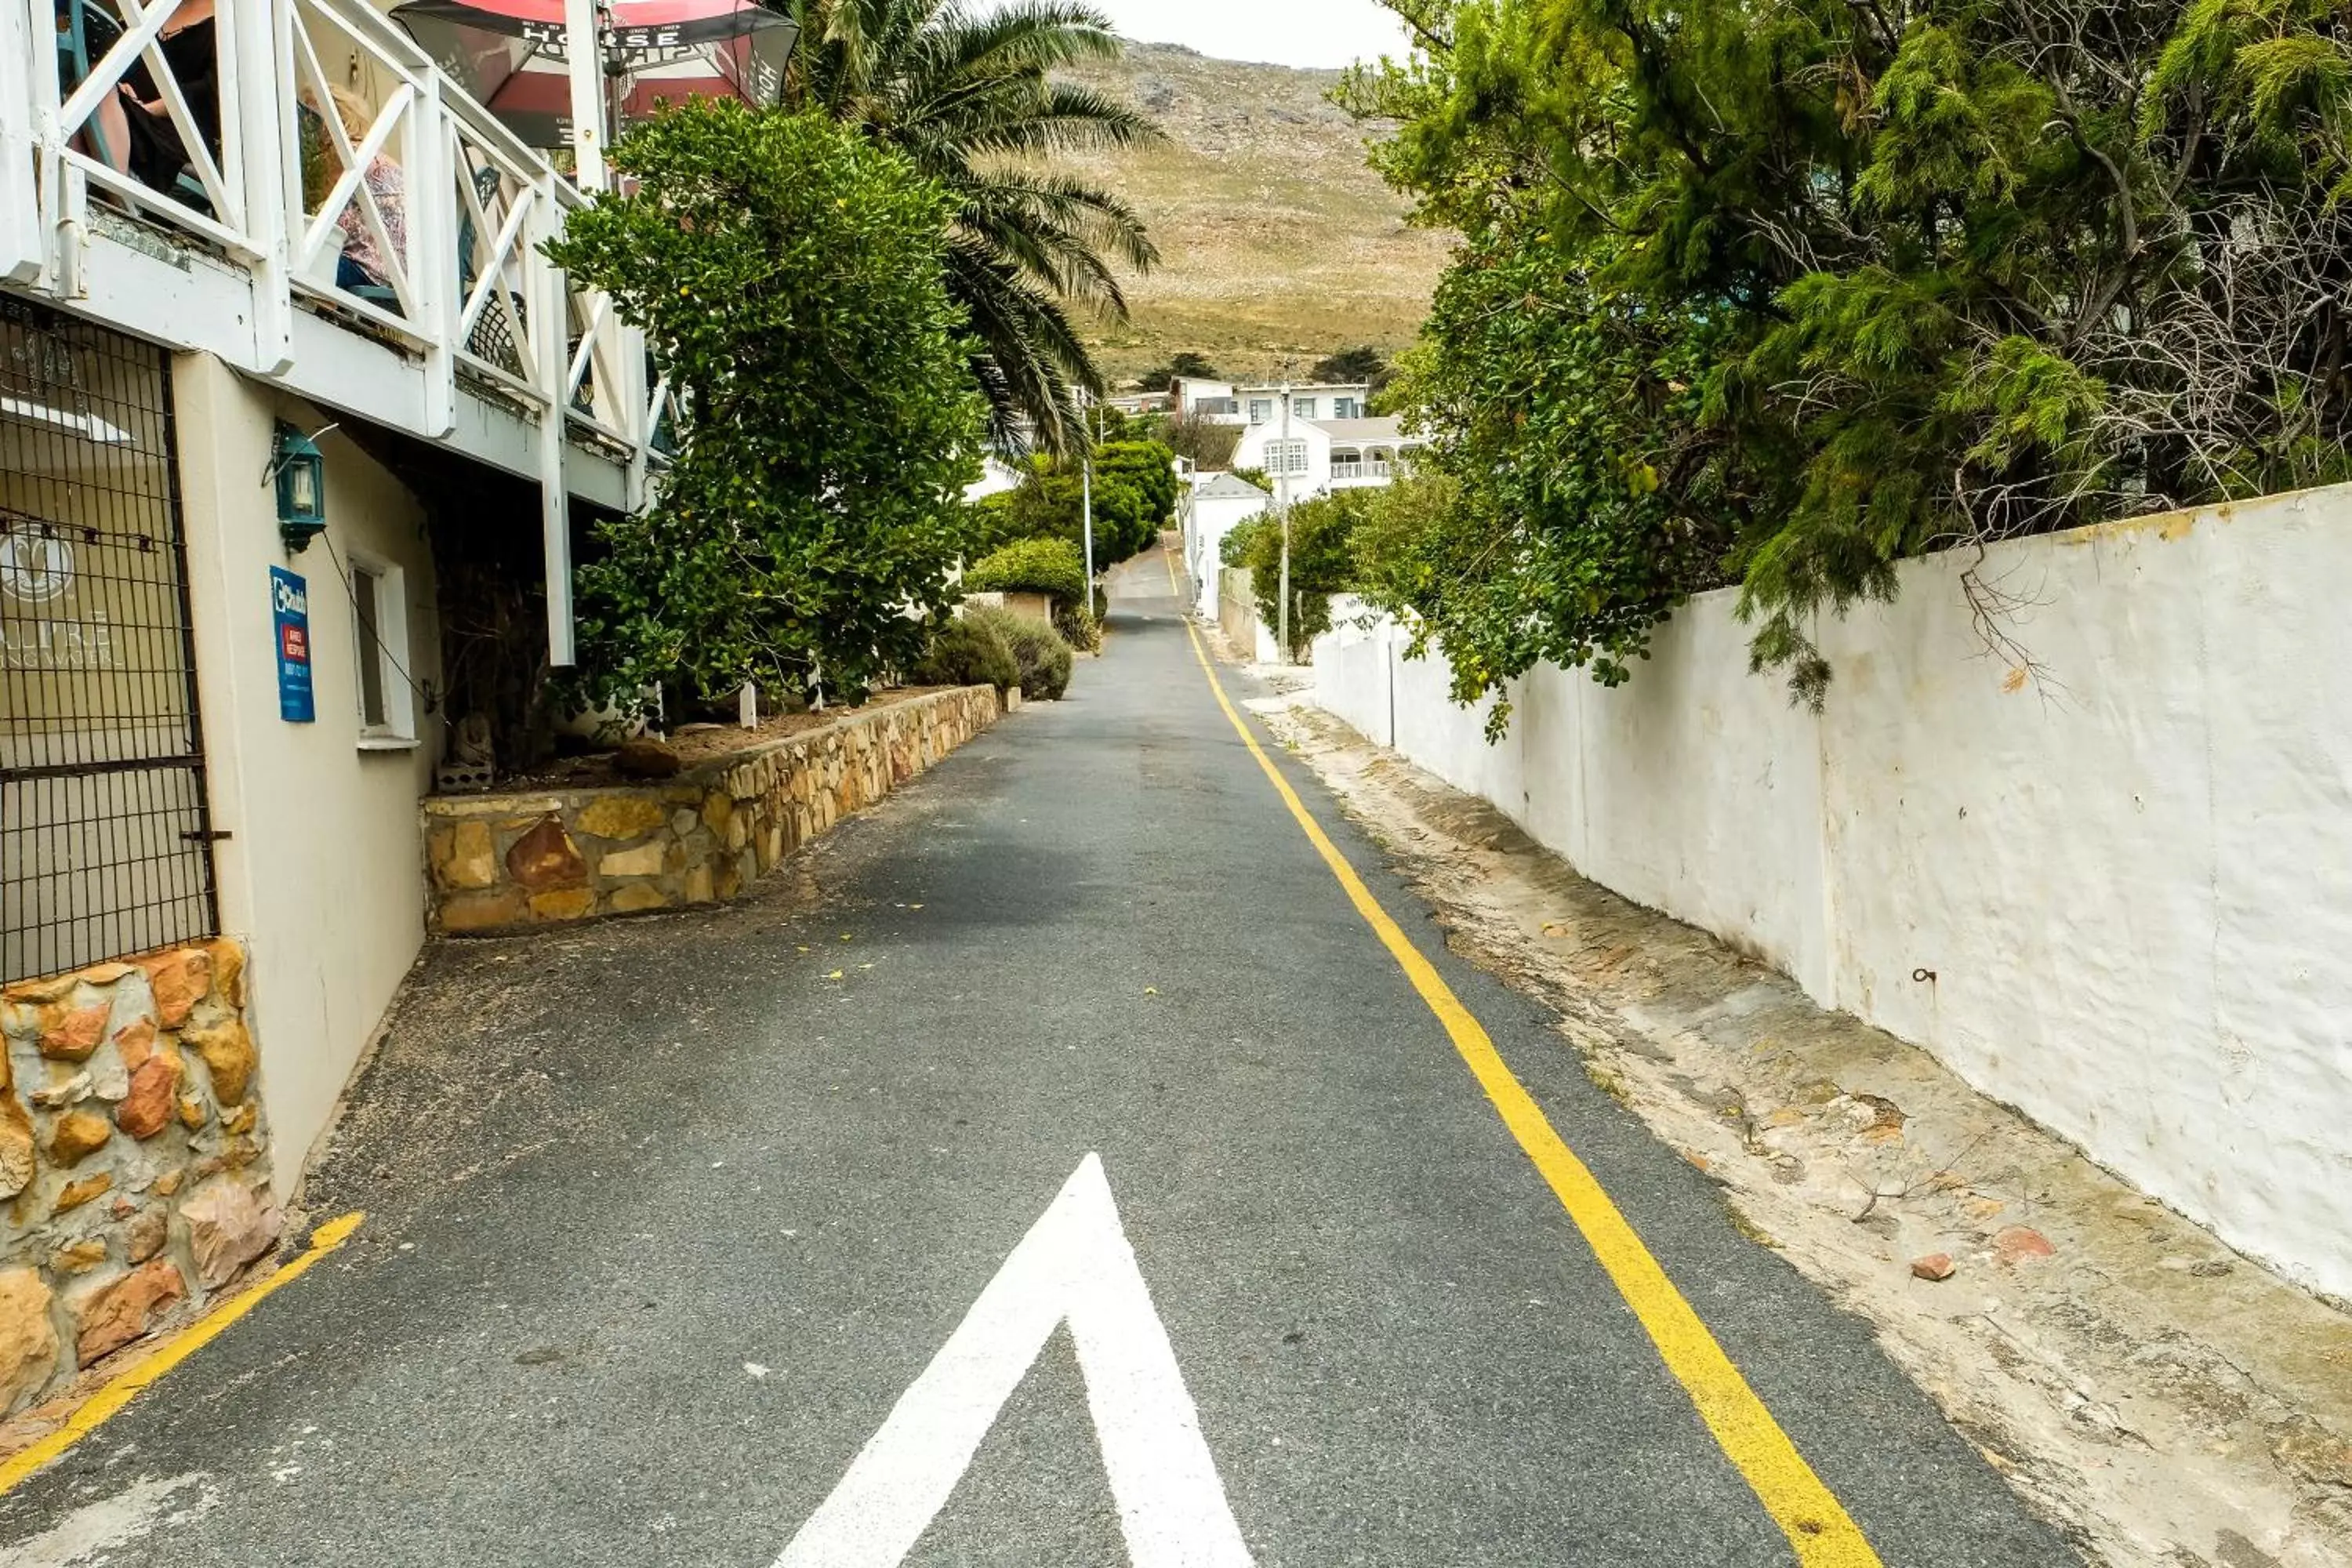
<point x="289" y="604"/>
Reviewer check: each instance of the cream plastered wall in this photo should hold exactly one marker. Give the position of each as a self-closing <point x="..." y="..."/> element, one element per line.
<point x="2105" y="872"/>
<point x="321" y="876"/>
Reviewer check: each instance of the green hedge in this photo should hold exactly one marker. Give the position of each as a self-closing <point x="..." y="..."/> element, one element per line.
<point x="1043" y="565"/>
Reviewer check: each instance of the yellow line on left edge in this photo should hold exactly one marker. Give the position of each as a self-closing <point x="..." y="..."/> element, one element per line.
<point x="122" y="1390"/>
<point x="1817" y="1525"/>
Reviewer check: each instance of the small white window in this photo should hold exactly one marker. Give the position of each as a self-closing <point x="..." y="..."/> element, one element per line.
<point x="1304" y="407"/>
<point x="380" y="654"/>
<point x="1285" y="457"/>
<point x="1343" y="408"/>
<point x="1261" y="410"/>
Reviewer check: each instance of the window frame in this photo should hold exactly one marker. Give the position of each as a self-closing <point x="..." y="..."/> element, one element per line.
<point x="388" y="653"/>
<point x="1261" y="410"/>
<point x="1280" y="453"/>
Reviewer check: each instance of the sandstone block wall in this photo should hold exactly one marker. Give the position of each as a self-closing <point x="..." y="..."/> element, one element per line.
<point x="505" y="862"/>
<point x="134" y="1162"/>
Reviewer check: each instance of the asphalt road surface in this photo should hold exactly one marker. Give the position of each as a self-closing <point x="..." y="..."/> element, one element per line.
<point x="1080" y="1117"/>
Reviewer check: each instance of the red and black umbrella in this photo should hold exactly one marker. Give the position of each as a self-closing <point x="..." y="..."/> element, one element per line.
<point x="510" y="56"/>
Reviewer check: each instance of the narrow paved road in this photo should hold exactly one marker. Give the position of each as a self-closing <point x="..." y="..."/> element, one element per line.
<point x="665" y="1217"/>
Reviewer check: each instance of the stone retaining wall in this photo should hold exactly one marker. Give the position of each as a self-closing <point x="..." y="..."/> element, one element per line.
<point x="505" y="862"/>
<point x="133" y="1163"/>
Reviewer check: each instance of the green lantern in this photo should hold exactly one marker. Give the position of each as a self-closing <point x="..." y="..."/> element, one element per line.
<point x="301" y="472"/>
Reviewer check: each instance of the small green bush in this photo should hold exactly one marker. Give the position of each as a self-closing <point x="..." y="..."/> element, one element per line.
<point x="967" y="652"/>
<point x="1039" y="652"/>
<point x="1043" y="565"/>
<point x="1079" y="628"/>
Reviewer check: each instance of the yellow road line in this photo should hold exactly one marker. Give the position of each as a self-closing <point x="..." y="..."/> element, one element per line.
<point x="1808" y="1513"/>
<point x="1168" y="559"/>
<point x="122" y="1389"/>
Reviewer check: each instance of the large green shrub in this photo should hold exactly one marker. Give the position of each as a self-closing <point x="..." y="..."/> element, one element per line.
<point x="1550" y="517"/>
<point x="1040" y="655"/>
<point x="1148" y="467"/>
<point x="1322" y="560"/>
<point x="787" y="272"/>
<point x="1135" y="490"/>
<point x="1786" y="290"/>
<point x="967" y="651"/>
<point x="1050" y="566"/>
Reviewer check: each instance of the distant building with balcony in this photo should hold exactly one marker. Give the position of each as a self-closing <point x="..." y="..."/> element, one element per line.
<point x="1242" y="403"/>
<point x="1314" y="457"/>
<point x="292" y="271"/>
<point x="1135" y="405"/>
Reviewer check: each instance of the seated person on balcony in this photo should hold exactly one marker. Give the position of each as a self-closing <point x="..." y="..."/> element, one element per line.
<point x="362" y="265"/>
<point x="155" y="153"/>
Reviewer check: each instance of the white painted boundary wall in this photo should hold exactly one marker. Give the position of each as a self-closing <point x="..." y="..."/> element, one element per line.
<point x="2131" y="878"/>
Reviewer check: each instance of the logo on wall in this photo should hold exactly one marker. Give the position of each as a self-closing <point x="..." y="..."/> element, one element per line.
<point x="34" y="567"/>
<point x="289" y="606"/>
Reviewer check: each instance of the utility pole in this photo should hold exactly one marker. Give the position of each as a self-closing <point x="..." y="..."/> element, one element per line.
<point x="1282" y="509"/>
<point x="1086" y="494"/>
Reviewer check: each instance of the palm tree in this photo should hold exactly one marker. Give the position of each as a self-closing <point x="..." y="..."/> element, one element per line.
<point x="970" y="99"/>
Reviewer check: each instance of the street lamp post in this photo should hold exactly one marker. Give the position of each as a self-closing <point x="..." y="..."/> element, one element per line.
<point x="1282" y="509"/>
<point x="1086" y="493"/>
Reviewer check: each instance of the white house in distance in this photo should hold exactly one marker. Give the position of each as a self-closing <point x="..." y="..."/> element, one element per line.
<point x="1309" y="439"/>
<point x="1135" y="405"/>
<point x="1241" y="403"/>
<point x="1309" y="457"/>
<point x="1217" y="505"/>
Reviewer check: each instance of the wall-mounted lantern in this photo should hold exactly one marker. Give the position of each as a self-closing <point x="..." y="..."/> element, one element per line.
<point x="300" y="470"/>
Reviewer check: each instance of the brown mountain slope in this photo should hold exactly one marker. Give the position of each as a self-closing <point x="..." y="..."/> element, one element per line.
<point x="1276" y="240"/>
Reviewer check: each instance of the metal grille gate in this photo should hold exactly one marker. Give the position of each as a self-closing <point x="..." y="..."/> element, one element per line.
<point x="105" y="836"/>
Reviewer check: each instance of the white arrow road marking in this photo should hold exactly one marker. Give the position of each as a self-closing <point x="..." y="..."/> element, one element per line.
<point x="1074" y="1265"/>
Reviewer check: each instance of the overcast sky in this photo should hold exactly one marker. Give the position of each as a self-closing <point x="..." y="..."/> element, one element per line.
<point x="1290" y="32"/>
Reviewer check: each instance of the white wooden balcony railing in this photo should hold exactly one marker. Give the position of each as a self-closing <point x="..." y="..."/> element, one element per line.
<point x="465" y="334"/>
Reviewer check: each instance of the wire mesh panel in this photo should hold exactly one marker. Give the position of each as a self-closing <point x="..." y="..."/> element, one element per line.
<point x="105" y="840"/>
